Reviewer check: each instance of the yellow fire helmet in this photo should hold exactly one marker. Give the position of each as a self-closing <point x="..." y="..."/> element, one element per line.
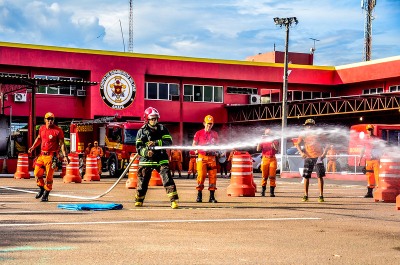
<point x="369" y="127"/>
<point x="49" y="115"/>
<point x="309" y="122"/>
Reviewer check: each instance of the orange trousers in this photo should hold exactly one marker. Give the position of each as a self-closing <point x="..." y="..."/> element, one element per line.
<point x="331" y="166"/>
<point x="44" y="161"/>
<point x="192" y="166"/>
<point x="176" y="166"/>
<point x="372" y="177"/>
<point x="206" y="164"/>
<point x="268" y="170"/>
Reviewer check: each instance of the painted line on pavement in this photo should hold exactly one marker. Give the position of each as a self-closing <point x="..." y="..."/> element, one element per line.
<point x="162" y="221"/>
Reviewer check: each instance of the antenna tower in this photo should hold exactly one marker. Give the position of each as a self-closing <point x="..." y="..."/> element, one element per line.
<point x="368" y="6"/>
<point x="130" y="45"/>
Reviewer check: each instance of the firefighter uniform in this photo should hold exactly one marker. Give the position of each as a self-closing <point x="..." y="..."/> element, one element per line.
<point x="158" y="161"/>
<point x="268" y="165"/>
<point x="176" y="162"/>
<point x="192" y="164"/>
<point x="371" y="152"/>
<point x="97" y="152"/>
<point x="332" y="160"/>
<point x="206" y="160"/>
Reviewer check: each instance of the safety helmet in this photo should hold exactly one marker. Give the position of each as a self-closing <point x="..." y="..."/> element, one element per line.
<point x="369" y="127"/>
<point x="309" y="122"/>
<point x="95" y="142"/>
<point x="49" y="115"/>
<point x="151" y="113"/>
<point x="209" y="119"/>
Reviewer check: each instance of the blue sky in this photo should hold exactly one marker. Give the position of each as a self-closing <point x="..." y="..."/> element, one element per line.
<point x="221" y="29"/>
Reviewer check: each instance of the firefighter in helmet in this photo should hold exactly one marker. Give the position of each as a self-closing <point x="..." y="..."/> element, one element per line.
<point x="206" y="160"/>
<point x="97" y="152"/>
<point x="150" y="139"/>
<point x="371" y="153"/>
<point x="268" y="147"/>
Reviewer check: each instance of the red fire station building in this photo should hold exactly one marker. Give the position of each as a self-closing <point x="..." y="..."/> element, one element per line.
<point x="80" y="84"/>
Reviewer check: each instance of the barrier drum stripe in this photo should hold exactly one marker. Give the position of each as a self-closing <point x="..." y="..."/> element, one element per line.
<point x="389" y="175"/>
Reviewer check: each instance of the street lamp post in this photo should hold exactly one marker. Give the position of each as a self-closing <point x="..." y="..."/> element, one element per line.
<point x="287" y="22"/>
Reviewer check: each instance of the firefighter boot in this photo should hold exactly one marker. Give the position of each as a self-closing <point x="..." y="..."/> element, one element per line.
<point x="45" y="196"/>
<point x="212" y="198"/>
<point x="40" y="193"/>
<point x="369" y="193"/>
<point x="199" y="196"/>
<point x="271" y="191"/>
<point x="263" y="191"/>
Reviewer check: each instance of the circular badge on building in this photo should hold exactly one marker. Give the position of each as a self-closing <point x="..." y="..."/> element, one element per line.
<point x="117" y="89"/>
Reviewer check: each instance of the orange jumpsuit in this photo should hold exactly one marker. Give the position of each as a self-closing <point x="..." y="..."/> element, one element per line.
<point x="192" y="163"/>
<point x="176" y="162"/>
<point x="206" y="160"/>
<point x="97" y="151"/>
<point x="331" y="156"/>
<point x="371" y="161"/>
<point x="268" y="163"/>
<point x="50" y="139"/>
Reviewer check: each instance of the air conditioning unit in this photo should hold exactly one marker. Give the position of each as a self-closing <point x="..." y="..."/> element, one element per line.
<point x="20" y="97"/>
<point x="255" y="99"/>
<point x="81" y="93"/>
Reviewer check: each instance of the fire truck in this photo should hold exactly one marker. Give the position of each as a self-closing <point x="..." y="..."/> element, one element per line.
<point x="118" y="140"/>
<point x="389" y="133"/>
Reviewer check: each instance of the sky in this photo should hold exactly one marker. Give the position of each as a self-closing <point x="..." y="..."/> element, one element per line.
<point x="218" y="29"/>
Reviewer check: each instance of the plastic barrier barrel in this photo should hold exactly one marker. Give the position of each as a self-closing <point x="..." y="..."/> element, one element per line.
<point x="63" y="169"/>
<point x="242" y="182"/>
<point x="389" y="180"/>
<point x="91" y="169"/>
<point x="155" y="179"/>
<point x="72" y="170"/>
<point x="131" y="183"/>
<point x="22" y="171"/>
<point x="398" y="202"/>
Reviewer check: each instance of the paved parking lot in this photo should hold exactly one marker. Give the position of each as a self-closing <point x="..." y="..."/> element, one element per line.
<point x="346" y="229"/>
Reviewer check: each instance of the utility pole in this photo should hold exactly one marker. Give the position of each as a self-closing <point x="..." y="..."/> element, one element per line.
<point x="130" y="45"/>
<point x="286" y="22"/>
<point x="368" y="6"/>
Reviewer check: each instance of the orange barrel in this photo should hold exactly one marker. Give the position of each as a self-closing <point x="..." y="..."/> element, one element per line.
<point x="131" y="183"/>
<point x="63" y="169"/>
<point x="155" y="179"/>
<point x="72" y="170"/>
<point x="241" y="176"/>
<point x="398" y="202"/>
<point x="389" y="180"/>
<point x="91" y="169"/>
<point x="22" y="171"/>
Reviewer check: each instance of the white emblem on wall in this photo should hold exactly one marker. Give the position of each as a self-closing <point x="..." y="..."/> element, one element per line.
<point x="117" y="89"/>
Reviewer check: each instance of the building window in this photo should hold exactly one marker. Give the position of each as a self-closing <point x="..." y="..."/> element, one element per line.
<point x="372" y="91"/>
<point x="162" y="91"/>
<point x="394" y="88"/>
<point x="199" y="93"/>
<point x="68" y="90"/>
<point x="241" y="90"/>
<point x="302" y="95"/>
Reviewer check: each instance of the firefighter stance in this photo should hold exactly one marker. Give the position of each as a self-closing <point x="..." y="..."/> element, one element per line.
<point x="371" y="153"/>
<point x="192" y="164"/>
<point x="313" y="155"/>
<point x="153" y="134"/>
<point x="51" y="139"/>
<point x="176" y="162"/>
<point x="206" y="160"/>
<point x="268" y="163"/>
<point x="332" y="160"/>
<point x="97" y="152"/>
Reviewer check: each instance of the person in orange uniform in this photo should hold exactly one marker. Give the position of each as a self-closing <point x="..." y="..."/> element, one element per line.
<point x="51" y="140"/>
<point x="314" y="152"/>
<point x="206" y="161"/>
<point x="269" y="148"/>
<point x="176" y="159"/>
<point x="332" y="159"/>
<point x="97" y="151"/>
<point x="192" y="164"/>
<point x="371" y="152"/>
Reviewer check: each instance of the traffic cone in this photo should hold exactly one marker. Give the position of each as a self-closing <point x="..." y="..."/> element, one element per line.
<point x="22" y="171"/>
<point x="92" y="170"/>
<point x="72" y="170"/>
<point x="131" y="183"/>
<point x="242" y="182"/>
<point x="155" y="179"/>
<point x="389" y="180"/>
<point x="63" y="169"/>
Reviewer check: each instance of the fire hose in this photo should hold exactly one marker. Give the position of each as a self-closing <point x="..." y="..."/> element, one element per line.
<point x="85" y="198"/>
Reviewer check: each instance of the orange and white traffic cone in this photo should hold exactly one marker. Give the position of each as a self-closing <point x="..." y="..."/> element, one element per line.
<point x="155" y="179"/>
<point x="22" y="171"/>
<point x="72" y="170"/>
<point x="92" y="170"/>
<point x="131" y="183"/>
<point x="242" y="182"/>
